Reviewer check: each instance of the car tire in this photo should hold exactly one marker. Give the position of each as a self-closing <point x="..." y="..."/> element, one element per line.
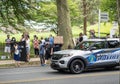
<point x="76" y="66"/>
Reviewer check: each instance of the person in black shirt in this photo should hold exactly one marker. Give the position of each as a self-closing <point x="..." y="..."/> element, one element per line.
<point x="49" y="51"/>
<point x="80" y="37"/>
<point x="13" y="41"/>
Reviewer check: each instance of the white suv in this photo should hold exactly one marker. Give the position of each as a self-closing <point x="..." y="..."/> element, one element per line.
<point x="91" y="53"/>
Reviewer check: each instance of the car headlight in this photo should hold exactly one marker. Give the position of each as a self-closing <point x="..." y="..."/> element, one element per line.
<point x="67" y="55"/>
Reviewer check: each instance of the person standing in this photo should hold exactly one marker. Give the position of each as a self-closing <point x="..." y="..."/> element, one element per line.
<point x="13" y="41"/>
<point x="80" y="37"/>
<point x="22" y="38"/>
<point x="43" y="40"/>
<point x="7" y="45"/>
<point x="36" y="46"/>
<point x="107" y="36"/>
<point x="49" y="51"/>
<point x="85" y="37"/>
<point x="16" y="55"/>
<point x="51" y="40"/>
<point x="42" y="53"/>
<point x="27" y="40"/>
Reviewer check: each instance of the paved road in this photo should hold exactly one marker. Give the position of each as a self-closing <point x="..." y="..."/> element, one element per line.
<point x="45" y="75"/>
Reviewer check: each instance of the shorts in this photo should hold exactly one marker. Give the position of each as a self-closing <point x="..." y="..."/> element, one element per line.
<point x="16" y="57"/>
<point x="28" y="50"/>
<point x="36" y="51"/>
<point x="7" y="49"/>
<point x="47" y="56"/>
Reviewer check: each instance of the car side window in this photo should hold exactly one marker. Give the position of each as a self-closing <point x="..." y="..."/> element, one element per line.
<point x="83" y="45"/>
<point x="99" y="45"/>
<point x="113" y="44"/>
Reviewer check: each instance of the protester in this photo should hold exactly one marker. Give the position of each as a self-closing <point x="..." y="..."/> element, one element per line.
<point x="13" y="41"/>
<point x="80" y="37"/>
<point x="16" y="55"/>
<point x="43" y="40"/>
<point x="7" y="45"/>
<point x="27" y="39"/>
<point x="36" y="46"/>
<point x="42" y="53"/>
<point x="85" y="37"/>
<point x="49" y="51"/>
<point x="22" y="38"/>
<point x="51" y="39"/>
<point x="108" y="36"/>
<point x="92" y="34"/>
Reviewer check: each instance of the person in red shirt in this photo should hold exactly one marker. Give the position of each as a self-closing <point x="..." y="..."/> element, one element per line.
<point x="36" y="46"/>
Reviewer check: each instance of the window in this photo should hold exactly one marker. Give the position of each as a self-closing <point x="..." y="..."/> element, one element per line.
<point x="113" y="44"/>
<point x="99" y="45"/>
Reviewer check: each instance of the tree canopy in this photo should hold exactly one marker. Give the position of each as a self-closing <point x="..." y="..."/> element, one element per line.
<point x="82" y="12"/>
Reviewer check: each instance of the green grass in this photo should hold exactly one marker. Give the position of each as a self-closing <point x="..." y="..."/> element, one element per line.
<point x="104" y="28"/>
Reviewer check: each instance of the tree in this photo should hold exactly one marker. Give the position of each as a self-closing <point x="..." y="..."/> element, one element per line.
<point x="110" y="7"/>
<point x="14" y="12"/>
<point x="113" y="8"/>
<point x="88" y="8"/>
<point x="118" y="9"/>
<point x="64" y="23"/>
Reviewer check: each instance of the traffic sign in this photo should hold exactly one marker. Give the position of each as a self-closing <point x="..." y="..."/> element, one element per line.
<point x="104" y="16"/>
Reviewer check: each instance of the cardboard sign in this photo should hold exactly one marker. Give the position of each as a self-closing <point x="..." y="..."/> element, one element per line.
<point x="58" y="40"/>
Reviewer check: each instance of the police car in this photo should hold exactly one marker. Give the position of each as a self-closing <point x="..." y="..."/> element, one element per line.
<point x="91" y="53"/>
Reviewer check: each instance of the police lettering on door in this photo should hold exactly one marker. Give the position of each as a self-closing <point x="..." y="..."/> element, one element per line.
<point x="108" y="56"/>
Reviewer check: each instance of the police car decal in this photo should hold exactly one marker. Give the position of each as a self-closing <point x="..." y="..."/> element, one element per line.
<point x="100" y="56"/>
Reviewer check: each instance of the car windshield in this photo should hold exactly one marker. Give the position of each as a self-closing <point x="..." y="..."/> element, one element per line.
<point x="86" y="45"/>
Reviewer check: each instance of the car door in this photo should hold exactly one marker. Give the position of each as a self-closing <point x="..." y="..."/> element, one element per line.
<point x="97" y="49"/>
<point x="108" y="55"/>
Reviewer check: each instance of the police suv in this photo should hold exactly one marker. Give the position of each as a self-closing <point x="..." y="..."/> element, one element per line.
<point x="91" y="53"/>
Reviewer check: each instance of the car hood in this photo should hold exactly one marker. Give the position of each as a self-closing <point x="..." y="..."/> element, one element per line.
<point x="74" y="52"/>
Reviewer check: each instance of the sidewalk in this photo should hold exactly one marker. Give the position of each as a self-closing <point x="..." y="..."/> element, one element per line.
<point x="5" y="62"/>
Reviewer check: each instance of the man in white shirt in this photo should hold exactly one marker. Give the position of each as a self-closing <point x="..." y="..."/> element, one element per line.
<point x="7" y="45"/>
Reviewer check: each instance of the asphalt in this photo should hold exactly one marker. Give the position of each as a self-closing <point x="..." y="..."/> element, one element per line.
<point x="46" y="75"/>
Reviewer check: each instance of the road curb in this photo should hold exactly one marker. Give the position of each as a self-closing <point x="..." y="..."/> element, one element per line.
<point x="11" y="63"/>
<point x="22" y="64"/>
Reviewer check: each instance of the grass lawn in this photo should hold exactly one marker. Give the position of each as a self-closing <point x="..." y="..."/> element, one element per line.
<point x="104" y="28"/>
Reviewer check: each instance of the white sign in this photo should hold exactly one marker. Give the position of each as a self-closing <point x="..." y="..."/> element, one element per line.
<point x="104" y="16"/>
<point x="114" y="29"/>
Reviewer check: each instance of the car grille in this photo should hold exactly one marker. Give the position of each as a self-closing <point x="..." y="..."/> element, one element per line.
<point x="56" y="56"/>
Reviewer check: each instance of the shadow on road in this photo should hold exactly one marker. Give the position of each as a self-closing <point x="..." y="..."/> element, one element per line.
<point x="98" y="70"/>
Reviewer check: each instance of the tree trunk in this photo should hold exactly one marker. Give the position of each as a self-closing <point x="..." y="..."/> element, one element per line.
<point x="85" y="17"/>
<point x="64" y="23"/>
<point x="118" y="7"/>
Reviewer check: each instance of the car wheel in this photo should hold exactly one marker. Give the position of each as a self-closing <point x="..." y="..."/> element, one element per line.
<point x="77" y="66"/>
